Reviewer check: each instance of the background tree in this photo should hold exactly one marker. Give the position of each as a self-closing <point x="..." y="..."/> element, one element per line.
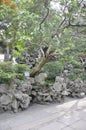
<point x="58" y="25"/>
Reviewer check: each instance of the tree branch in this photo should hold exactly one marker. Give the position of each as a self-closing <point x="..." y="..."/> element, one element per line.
<point x="81" y="2"/>
<point x="62" y="22"/>
<point x="56" y="34"/>
<point x="77" y="25"/>
<point x="43" y="20"/>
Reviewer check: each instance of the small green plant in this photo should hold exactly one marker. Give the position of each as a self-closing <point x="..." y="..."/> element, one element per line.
<point x="6" y="66"/>
<point x="20" y="76"/>
<point x="72" y="77"/>
<point x="6" y="77"/>
<point x="53" y="69"/>
<point x="49" y="81"/>
<point x="8" y="71"/>
<point x="21" y="68"/>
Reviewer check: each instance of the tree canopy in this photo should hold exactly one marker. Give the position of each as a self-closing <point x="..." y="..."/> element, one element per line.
<point x="58" y="24"/>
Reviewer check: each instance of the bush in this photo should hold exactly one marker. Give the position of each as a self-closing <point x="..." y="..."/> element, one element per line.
<point x="82" y="76"/>
<point x="76" y="71"/>
<point x="21" y="68"/>
<point x="20" y="76"/>
<point x="6" y="66"/>
<point x="72" y="77"/>
<point x="6" y="77"/>
<point x="53" y="69"/>
<point x="8" y="72"/>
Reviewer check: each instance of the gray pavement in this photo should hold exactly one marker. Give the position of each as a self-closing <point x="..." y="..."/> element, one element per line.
<point x="70" y="115"/>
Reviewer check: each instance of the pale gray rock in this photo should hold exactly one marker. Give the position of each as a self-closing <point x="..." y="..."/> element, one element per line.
<point x="18" y="95"/>
<point x="14" y="105"/>
<point x="48" y="99"/>
<point x="84" y="87"/>
<point x="31" y="80"/>
<point x="43" y="94"/>
<point x="24" y="99"/>
<point x="59" y="84"/>
<point x="57" y="87"/>
<point x="5" y="99"/>
<point x="59" y="79"/>
<point x="40" y="79"/>
<point x="65" y="93"/>
<point x="16" y="81"/>
<point x="26" y="86"/>
<point x="81" y="95"/>
<point x="3" y="88"/>
<point x="25" y="102"/>
<point x="34" y="93"/>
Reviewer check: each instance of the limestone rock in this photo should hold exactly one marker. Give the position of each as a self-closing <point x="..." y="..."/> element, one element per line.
<point x="25" y="102"/>
<point x="40" y="79"/>
<point x="3" y="88"/>
<point x="59" y="84"/>
<point x="24" y="99"/>
<point x="14" y="105"/>
<point x="34" y="93"/>
<point x="59" y="79"/>
<point x="65" y="93"/>
<point x="18" y="95"/>
<point x="48" y="99"/>
<point x="26" y="86"/>
<point x="5" y="99"/>
<point x="81" y="95"/>
<point x="57" y="87"/>
<point x="32" y="81"/>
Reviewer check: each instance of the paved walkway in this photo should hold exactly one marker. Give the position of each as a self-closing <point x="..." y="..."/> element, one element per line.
<point x="67" y="116"/>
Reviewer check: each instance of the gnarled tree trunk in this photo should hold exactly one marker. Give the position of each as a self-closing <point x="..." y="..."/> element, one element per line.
<point x="6" y="55"/>
<point x="43" y="61"/>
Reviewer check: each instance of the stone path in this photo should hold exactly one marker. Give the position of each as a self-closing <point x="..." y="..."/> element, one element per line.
<point x="67" y="116"/>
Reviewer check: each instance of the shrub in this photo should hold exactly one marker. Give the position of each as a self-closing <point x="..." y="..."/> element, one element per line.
<point x="72" y="77"/>
<point x="6" y="66"/>
<point x="6" y="77"/>
<point x="8" y="71"/>
<point x="21" y="68"/>
<point x="53" y="69"/>
<point x="82" y="76"/>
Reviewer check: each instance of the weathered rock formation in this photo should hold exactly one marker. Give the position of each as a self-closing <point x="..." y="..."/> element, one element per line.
<point x="17" y="96"/>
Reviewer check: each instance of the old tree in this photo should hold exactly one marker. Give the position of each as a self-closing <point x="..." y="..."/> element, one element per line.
<point x="58" y="26"/>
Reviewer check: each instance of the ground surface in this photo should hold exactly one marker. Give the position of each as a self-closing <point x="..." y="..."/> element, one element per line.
<point x="67" y="116"/>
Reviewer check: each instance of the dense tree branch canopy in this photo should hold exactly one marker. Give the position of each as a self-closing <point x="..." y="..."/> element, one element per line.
<point x="43" y="20"/>
<point x="41" y="23"/>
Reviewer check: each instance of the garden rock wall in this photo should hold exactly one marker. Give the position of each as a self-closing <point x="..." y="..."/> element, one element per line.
<point x="15" y="96"/>
<point x="18" y="96"/>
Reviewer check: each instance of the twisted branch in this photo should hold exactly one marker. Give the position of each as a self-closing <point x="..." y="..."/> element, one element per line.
<point x="43" y="20"/>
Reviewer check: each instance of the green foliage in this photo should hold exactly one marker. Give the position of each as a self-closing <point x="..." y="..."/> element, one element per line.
<point x="76" y="71"/>
<point x="20" y="76"/>
<point x="8" y="72"/>
<point x="6" y="77"/>
<point x="81" y="75"/>
<point x="53" y="70"/>
<point x="17" y="28"/>
<point x="21" y="68"/>
<point x="49" y="81"/>
<point x="6" y="67"/>
<point x="72" y="77"/>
